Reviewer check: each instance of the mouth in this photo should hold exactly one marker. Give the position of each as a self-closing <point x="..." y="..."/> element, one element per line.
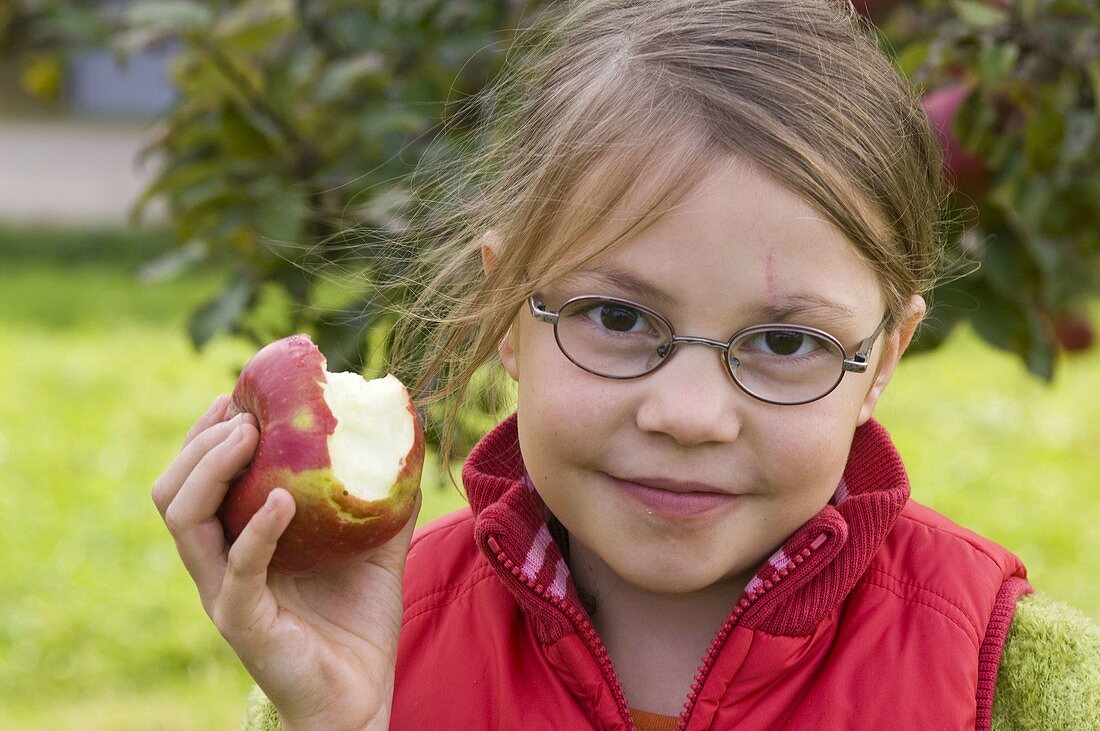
<point x="678" y="486"/>
<point x="674" y="499"/>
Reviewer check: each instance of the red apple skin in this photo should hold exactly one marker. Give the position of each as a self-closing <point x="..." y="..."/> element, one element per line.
<point x="1074" y="333"/>
<point x="282" y="386"/>
<point x="970" y="173"/>
<point x="874" y="8"/>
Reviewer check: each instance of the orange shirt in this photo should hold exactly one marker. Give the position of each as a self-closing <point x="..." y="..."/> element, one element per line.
<point x="646" y="721"/>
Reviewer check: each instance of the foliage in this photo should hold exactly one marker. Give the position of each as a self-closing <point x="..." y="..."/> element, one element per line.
<point x="297" y="124"/>
<point x="1029" y="73"/>
<point x="40" y="36"/>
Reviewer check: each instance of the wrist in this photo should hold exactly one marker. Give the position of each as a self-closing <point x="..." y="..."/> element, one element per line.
<point x="378" y="723"/>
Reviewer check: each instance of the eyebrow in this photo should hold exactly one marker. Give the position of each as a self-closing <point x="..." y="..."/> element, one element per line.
<point x="626" y="280"/>
<point x="805" y="304"/>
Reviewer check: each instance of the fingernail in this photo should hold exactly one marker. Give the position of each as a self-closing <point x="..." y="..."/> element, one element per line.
<point x="236" y="436"/>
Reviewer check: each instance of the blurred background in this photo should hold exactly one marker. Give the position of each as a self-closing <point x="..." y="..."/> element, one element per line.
<point x="184" y="181"/>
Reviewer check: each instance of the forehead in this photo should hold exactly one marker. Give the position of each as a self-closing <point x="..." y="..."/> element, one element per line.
<point x="741" y="239"/>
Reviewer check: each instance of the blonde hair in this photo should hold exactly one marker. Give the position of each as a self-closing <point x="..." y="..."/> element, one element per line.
<point x="635" y="99"/>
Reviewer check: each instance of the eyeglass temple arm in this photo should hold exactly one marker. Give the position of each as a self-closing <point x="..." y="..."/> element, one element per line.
<point x="539" y="313"/>
<point x="858" y="362"/>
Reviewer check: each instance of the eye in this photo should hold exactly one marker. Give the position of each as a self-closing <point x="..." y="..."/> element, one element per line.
<point x="618" y="317"/>
<point x="786" y="343"/>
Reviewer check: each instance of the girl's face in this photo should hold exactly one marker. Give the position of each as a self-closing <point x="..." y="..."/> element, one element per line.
<point x="738" y="246"/>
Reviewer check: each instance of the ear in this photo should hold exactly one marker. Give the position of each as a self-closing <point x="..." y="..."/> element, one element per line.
<point x="508" y="352"/>
<point x="490" y="251"/>
<point x="895" y="343"/>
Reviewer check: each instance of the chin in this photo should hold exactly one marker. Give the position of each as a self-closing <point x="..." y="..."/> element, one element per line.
<point x="684" y="576"/>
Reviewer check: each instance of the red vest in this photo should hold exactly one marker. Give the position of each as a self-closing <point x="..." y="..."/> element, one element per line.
<point x="876" y="613"/>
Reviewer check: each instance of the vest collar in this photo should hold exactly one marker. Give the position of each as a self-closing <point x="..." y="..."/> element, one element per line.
<point x="793" y="590"/>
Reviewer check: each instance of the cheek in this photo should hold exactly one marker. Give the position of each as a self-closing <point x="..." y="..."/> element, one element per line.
<point x="566" y="414"/>
<point x="803" y="458"/>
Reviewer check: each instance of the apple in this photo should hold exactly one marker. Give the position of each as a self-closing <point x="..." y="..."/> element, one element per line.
<point x="1074" y="333"/>
<point x="350" y="451"/>
<point x="874" y="8"/>
<point x="970" y="173"/>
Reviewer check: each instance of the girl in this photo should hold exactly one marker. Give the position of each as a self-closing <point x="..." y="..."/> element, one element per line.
<point x="700" y="249"/>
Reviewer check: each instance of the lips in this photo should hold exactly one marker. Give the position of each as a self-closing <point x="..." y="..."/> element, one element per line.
<point x="676" y="499"/>
<point x="680" y="486"/>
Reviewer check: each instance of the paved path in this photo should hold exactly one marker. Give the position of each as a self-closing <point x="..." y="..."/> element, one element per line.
<point x="71" y="171"/>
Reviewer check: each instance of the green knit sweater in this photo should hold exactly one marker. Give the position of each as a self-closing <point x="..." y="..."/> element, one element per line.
<point x="1049" y="676"/>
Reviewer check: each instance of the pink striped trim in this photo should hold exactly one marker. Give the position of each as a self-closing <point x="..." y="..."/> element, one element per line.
<point x="561" y="580"/>
<point x="536" y="559"/>
<point x="536" y="555"/>
<point x="777" y="562"/>
<point x="841" y="493"/>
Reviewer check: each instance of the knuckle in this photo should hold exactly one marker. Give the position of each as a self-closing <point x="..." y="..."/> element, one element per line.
<point x="173" y="519"/>
<point x="236" y="566"/>
<point x="221" y="619"/>
<point x="158" y="493"/>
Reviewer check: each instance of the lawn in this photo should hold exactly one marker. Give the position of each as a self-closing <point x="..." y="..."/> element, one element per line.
<point x="100" y="627"/>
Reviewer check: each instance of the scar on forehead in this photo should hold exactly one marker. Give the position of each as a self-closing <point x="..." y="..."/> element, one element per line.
<point x="769" y="277"/>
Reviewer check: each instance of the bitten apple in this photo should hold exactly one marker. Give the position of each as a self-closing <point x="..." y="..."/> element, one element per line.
<point x="349" y="450"/>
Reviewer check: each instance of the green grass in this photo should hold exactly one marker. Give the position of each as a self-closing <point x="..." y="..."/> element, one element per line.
<point x="100" y="627"/>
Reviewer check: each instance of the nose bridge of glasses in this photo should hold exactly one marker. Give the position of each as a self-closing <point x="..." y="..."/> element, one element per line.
<point x="675" y="340"/>
<point x="691" y="339"/>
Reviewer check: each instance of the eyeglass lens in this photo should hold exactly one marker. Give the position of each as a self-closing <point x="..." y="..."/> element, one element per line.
<point x="618" y="340"/>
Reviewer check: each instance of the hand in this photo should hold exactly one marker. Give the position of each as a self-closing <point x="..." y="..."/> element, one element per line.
<point x="321" y="648"/>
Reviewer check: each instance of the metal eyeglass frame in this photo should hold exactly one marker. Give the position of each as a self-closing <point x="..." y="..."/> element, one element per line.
<point x="856" y="364"/>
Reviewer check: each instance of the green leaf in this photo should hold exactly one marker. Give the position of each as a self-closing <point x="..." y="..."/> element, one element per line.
<point x="979" y="14"/>
<point x="176" y="178"/>
<point x="344" y="336"/>
<point x="950" y="304"/>
<point x="224" y="312"/>
<point x="1040" y="355"/>
<point x="280" y="218"/>
<point x="272" y="316"/>
<point x="344" y="76"/>
<point x="256" y="25"/>
<point x="1001" y="322"/>
<point x="997" y="61"/>
<point x="1043" y="138"/>
<point x="912" y="57"/>
<point x="173" y="264"/>
<point x="172" y="16"/>
<point x="240" y="138"/>
<point x="1093" y="71"/>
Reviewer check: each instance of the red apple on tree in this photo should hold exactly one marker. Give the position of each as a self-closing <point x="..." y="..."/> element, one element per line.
<point x="1073" y="332"/>
<point x="874" y="8"/>
<point x="349" y="450"/>
<point x="970" y="173"/>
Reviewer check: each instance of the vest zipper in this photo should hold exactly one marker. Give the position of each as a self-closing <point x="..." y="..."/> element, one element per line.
<point x="591" y="638"/>
<point x="583" y="626"/>
<point x="739" y="610"/>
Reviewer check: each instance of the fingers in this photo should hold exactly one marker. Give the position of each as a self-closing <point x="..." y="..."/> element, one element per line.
<point x="213" y="415"/>
<point x="245" y="603"/>
<point x="191" y="516"/>
<point x="206" y="434"/>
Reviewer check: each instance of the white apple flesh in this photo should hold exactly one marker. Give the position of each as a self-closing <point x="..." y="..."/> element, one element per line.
<point x="349" y="450"/>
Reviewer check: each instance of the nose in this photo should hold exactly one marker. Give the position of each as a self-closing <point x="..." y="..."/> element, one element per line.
<point x="691" y="398"/>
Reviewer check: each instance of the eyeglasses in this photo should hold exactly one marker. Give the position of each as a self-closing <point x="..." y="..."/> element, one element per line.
<point x="776" y="363"/>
